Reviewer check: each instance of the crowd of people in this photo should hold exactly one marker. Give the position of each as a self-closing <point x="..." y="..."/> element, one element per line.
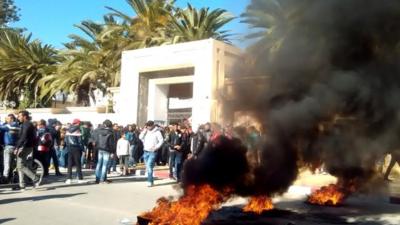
<point x="102" y="148"/>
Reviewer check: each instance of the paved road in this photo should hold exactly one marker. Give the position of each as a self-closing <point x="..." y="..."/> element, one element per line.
<point x="106" y="204"/>
<point x="100" y="204"/>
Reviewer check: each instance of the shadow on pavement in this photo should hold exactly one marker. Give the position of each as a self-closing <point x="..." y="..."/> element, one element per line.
<point x="126" y="179"/>
<point x="53" y="186"/>
<point x="165" y="184"/>
<point x="39" y="198"/>
<point x="6" y="220"/>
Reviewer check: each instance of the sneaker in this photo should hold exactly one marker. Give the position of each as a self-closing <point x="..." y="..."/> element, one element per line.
<point x="68" y="181"/>
<point x="37" y="181"/>
<point x="106" y="182"/>
<point x="150" y="185"/>
<point x="81" y="181"/>
<point x="18" y="188"/>
<point x="58" y="174"/>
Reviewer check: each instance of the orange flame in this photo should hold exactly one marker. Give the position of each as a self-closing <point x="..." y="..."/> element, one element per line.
<point x="190" y="209"/>
<point x="258" y="204"/>
<point x="327" y="195"/>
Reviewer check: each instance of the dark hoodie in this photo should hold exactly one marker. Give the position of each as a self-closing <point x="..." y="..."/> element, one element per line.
<point x="73" y="137"/>
<point x="104" y="139"/>
<point x="27" y="135"/>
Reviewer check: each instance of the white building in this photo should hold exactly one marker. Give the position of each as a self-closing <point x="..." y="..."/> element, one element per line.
<point x="169" y="82"/>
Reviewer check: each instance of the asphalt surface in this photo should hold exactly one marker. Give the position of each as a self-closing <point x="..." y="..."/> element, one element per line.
<point x="119" y="202"/>
<point x="56" y="203"/>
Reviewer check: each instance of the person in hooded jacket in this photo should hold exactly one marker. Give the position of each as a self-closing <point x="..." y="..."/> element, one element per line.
<point x="105" y="144"/>
<point x="73" y="141"/>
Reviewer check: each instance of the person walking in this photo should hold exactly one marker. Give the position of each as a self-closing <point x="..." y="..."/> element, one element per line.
<point x="104" y="142"/>
<point x="11" y="130"/>
<point x="73" y="141"/>
<point x="24" y="148"/>
<point x="123" y="147"/>
<point x="152" y="141"/>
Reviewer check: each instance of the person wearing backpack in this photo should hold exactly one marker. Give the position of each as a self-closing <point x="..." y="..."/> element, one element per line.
<point x="45" y="141"/>
<point x="73" y="141"/>
<point x="105" y="144"/>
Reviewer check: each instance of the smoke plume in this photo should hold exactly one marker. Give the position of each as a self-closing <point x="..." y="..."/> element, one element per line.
<point x="333" y="93"/>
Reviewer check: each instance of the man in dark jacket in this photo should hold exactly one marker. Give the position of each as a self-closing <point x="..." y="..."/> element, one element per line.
<point x="24" y="148"/>
<point x="73" y="141"/>
<point x="201" y="139"/>
<point x="55" y="135"/>
<point x="175" y="154"/>
<point x="11" y="130"/>
<point x="104" y="142"/>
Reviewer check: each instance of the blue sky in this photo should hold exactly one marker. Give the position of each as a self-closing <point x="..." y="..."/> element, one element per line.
<point x="52" y="20"/>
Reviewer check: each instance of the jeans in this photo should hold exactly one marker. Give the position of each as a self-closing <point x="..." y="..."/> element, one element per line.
<point x="149" y="160"/>
<point x="112" y="164"/>
<point x="171" y="164"/>
<point x="63" y="157"/>
<point x="175" y="164"/>
<point x="23" y="168"/>
<point x="74" y="157"/>
<point x="1" y="160"/>
<point x="53" y="157"/>
<point x="101" y="167"/>
<point x="84" y="156"/>
<point x="132" y="160"/>
<point x="8" y="158"/>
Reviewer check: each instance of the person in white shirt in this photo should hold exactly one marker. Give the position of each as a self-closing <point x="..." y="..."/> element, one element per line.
<point x="152" y="140"/>
<point x="123" y="147"/>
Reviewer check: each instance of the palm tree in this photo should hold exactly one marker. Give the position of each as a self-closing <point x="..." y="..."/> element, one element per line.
<point x="22" y="64"/>
<point x="191" y="24"/>
<point x="270" y="20"/>
<point x="87" y="63"/>
<point x="150" y="25"/>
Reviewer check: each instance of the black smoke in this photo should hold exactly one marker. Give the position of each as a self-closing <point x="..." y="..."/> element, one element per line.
<point x="223" y="164"/>
<point x="333" y="88"/>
